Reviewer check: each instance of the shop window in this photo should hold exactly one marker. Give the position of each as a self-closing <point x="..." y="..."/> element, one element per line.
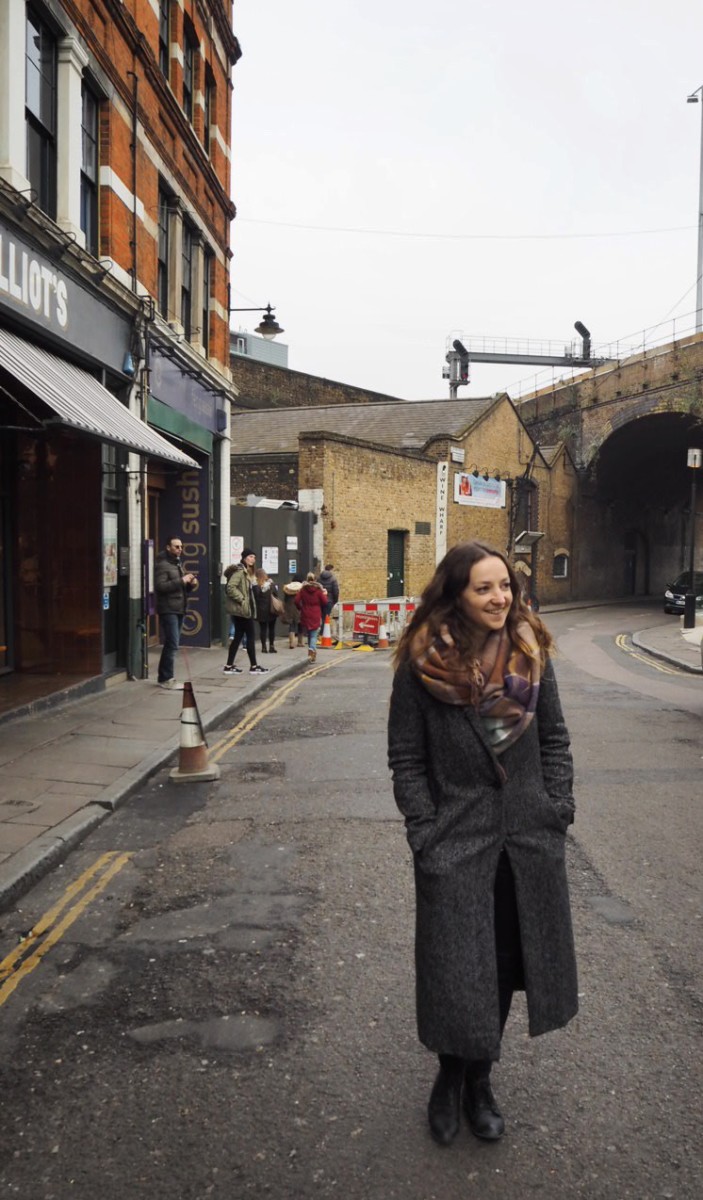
<point x="561" y="566"/>
<point x="190" y="50"/>
<point x="89" y="171"/>
<point x="163" y="250"/>
<point x="164" y="36"/>
<point x="187" y="245"/>
<point x="40" y="111"/>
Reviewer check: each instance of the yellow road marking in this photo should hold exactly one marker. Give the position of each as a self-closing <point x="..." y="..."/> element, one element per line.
<point x="27" y="966"/>
<point x="256" y="715"/>
<point x="622" y="644"/>
<point x="45" y="922"/>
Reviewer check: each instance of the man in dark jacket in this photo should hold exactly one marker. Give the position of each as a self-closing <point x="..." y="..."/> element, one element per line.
<point x="172" y="586"/>
<point x="330" y="583"/>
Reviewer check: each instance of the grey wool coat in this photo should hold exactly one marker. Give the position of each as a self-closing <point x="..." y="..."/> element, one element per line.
<point x="462" y="806"/>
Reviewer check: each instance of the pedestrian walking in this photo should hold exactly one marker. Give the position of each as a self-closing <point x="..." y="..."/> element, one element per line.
<point x="291" y="613"/>
<point x="482" y="773"/>
<point x="330" y="583"/>
<point x="172" y="585"/>
<point x="241" y="605"/>
<point x="268" y="607"/>
<point x="310" y="602"/>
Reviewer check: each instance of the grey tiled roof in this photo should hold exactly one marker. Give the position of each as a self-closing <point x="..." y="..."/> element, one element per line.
<point x="402" y="424"/>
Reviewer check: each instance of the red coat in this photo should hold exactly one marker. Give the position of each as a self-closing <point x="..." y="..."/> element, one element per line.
<point x="311" y="600"/>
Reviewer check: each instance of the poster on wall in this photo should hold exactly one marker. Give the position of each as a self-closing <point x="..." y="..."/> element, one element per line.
<point x="109" y="550"/>
<point x="269" y="559"/>
<point x="236" y="545"/>
<point x="480" y="492"/>
<point x="184" y="509"/>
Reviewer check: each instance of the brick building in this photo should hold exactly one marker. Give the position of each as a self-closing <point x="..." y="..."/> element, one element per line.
<point x="392" y="485"/>
<point x="268" y="384"/>
<point x="115" y="387"/>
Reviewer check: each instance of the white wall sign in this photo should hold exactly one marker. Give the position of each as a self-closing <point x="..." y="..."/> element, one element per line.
<point x="269" y="559"/>
<point x="236" y="545"/>
<point x="291" y="543"/>
<point x="441" y="520"/>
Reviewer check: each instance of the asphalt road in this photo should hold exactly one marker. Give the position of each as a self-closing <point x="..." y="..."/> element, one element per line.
<point x="219" y="1000"/>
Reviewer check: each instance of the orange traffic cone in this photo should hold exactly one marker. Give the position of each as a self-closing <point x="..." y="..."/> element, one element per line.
<point x="382" y="643"/>
<point x="325" y="642"/>
<point x="193" y="763"/>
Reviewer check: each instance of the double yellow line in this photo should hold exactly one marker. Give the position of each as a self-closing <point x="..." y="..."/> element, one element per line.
<point x="252" y="719"/>
<point x="24" y="958"/>
<point x="623" y="643"/>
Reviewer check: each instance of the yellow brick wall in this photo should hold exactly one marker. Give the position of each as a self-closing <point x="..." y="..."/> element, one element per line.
<point x="366" y="493"/>
<point x="498" y="442"/>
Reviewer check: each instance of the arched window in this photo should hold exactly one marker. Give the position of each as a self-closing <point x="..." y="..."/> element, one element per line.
<point x="560" y="568"/>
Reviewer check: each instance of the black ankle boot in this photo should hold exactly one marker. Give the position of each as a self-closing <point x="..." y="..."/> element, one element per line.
<point x="445" y="1100"/>
<point x="484" y="1117"/>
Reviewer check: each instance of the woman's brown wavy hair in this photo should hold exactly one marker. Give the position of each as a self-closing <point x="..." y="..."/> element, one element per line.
<point x="440" y="605"/>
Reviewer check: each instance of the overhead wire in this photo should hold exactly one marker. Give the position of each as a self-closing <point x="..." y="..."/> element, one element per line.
<point x="467" y="237"/>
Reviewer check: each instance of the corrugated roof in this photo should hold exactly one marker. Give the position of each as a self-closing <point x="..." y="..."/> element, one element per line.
<point x="402" y="424"/>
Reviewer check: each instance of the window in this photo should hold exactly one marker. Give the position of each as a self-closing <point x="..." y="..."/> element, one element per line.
<point x="163" y="249"/>
<point x="187" y="243"/>
<point x="89" y="171"/>
<point x="561" y="566"/>
<point x="190" y="49"/>
<point x="205" y="318"/>
<point x="209" y="118"/>
<point x="164" y="36"/>
<point x="40" y="112"/>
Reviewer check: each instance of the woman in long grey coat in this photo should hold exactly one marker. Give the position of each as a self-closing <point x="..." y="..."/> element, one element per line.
<point x="482" y="773"/>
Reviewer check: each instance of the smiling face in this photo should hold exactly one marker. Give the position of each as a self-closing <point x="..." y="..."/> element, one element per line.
<point x="487" y="598"/>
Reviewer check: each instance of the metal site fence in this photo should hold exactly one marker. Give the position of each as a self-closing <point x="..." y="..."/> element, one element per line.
<point x="365" y="620"/>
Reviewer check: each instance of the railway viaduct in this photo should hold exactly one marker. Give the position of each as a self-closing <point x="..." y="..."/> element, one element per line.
<point x="628" y="425"/>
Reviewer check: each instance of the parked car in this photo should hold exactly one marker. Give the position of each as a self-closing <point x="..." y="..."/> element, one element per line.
<point x="675" y="594"/>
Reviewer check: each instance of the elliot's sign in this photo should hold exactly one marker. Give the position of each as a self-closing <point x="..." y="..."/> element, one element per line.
<point x="36" y="293"/>
<point x="32" y="283"/>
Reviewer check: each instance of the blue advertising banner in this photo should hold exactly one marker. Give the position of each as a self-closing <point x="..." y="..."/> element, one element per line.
<point x="184" y="511"/>
<point x="482" y="493"/>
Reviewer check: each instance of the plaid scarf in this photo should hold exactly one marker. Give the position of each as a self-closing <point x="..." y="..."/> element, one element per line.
<point x="502" y="683"/>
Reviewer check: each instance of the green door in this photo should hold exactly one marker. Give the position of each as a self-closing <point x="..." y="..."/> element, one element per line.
<point x="396" y="562"/>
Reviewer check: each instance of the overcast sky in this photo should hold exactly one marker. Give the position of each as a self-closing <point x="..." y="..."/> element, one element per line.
<point x="405" y="172"/>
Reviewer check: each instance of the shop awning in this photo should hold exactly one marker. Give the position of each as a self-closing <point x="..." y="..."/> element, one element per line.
<point x="80" y="402"/>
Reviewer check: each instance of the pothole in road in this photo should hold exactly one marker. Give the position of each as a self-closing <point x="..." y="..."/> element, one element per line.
<point x="238" y="1031"/>
<point x="612" y="910"/>
<point x="250" y="772"/>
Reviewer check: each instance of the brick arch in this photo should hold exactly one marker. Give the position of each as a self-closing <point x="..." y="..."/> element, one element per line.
<point x="598" y="426"/>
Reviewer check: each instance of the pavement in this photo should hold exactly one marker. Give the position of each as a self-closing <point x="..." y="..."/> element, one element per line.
<point x="66" y="768"/>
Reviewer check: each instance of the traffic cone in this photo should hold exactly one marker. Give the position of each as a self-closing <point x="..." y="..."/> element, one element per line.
<point x="193" y="763"/>
<point x="325" y="642"/>
<point x="382" y="643"/>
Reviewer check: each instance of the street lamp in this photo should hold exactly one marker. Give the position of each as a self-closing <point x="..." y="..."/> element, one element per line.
<point x="695" y="98"/>
<point x="268" y="326"/>
<point x="693" y="460"/>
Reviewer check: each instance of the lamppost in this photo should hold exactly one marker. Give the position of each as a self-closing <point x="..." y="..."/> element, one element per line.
<point x="695" y="98"/>
<point x="268" y="326"/>
<point x="693" y="460"/>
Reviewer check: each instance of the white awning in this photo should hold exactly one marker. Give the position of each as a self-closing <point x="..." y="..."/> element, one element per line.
<point x="80" y="402"/>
